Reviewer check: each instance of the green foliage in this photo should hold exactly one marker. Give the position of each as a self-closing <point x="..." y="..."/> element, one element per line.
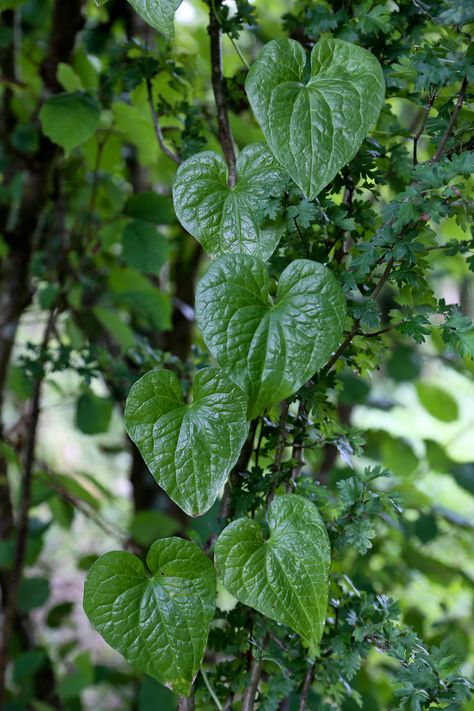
<point x="283" y="575"/>
<point x="69" y="119"/>
<point x="190" y="449"/>
<point x="157" y="13"/>
<point x="269" y="346"/>
<point x="315" y="120"/>
<point x="224" y="218"/>
<point x="171" y="607"/>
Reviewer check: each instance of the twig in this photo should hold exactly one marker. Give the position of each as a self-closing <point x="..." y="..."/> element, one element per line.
<point x="223" y="126"/>
<point x="452" y="121"/>
<point x="211" y="691"/>
<point x="305" y="244"/>
<point x="355" y="327"/>
<point x="417" y="136"/>
<point x="156" y="123"/>
<point x="308" y="680"/>
<point x="23" y="516"/>
<point x="248" y="701"/>
<point x="186" y="703"/>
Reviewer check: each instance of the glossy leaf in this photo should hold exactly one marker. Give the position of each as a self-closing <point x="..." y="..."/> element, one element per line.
<point x="157" y="13"/>
<point x="159" y="618"/>
<point x="285" y="575"/>
<point x="189" y="449"/>
<point x="225" y="219"/>
<point x="315" y="126"/>
<point x="270" y="348"/>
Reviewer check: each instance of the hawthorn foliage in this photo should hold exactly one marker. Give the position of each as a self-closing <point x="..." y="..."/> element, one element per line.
<point x="249" y="258"/>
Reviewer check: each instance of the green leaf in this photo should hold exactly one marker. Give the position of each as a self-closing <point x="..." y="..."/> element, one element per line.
<point x="189" y="449"/>
<point x="151" y="207"/>
<point x="144" y="248"/>
<point x="284" y="576"/>
<point x="270" y="348"/>
<point x="33" y="593"/>
<point x="69" y="119"/>
<point x="157" y="13"/>
<point x="93" y="413"/>
<point x="159" y="618"/>
<point x="147" y="526"/>
<point x="437" y="402"/>
<point x="229" y="219"/>
<point x="314" y="127"/>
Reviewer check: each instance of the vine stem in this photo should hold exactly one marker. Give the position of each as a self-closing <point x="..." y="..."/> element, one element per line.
<point x="417" y="136"/>
<point x="452" y="121"/>
<point x="280" y="448"/>
<point x="217" y="77"/>
<point x="23" y="515"/>
<point x="156" y="123"/>
<point x="248" y="700"/>
<point x="211" y="691"/>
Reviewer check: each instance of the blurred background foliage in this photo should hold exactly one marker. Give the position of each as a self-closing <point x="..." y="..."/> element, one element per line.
<point x="92" y="256"/>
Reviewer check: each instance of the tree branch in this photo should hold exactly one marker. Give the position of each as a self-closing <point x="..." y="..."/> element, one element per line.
<point x="417" y="136"/>
<point x="223" y="126"/>
<point x="248" y="700"/>
<point x="452" y="121"/>
<point x="186" y="703"/>
<point x="23" y="515"/>
<point x="308" y="680"/>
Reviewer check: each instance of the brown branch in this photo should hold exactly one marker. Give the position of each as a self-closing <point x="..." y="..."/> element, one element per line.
<point x="452" y="121"/>
<point x="156" y="123"/>
<point x="355" y="326"/>
<point x="16" y="574"/>
<point x="417" y="136"/>
<point x="223" y="126"/>
<point x="186" y="703"/>
<point x="248" y="700"/>
<point x="308" y="680"/>
<point x="297" y="454"/>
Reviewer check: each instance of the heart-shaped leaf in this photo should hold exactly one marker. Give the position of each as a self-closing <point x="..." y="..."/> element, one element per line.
<point x="314" y="126"/>
<point x="269" y="348"/>
<point x="229" y="219"/>
<point x="189" y="449"/>
<point x="157" y="619"/>
<point x="157" y="13"/>
<point x="285" y="576"/>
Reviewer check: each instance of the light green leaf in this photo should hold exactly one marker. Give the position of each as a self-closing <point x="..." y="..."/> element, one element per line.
<point x="159" y="618"/>
<point x="144" y="247"/>
<point x="69" y="119"/>
<point x="438" y="402"/>
<point x="225" y="219"/>
<point x="189" y="449"/>
<point x="269" y="347"/>
<point x="158" y="13"/>
<point x="315" y="126"/>
<point x="285" y="575"/>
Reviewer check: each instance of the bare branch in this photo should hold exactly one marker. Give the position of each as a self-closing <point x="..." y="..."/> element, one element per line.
<point x="452" y="121"/>
<point x="156" y="123"/>
<point x="223" y="126"/>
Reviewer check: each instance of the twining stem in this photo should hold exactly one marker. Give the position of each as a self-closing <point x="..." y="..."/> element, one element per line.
<point x="248" y="701"/>
<point x="186" y="703"/>
<point x="211" y="691"/>
<point x="156" y="123"/>
<point x="280" y="448"/>
<point x="224" y="132"/>
<point x="23" y="514"/>
<point x="417" y="136"/>
<point x="452" y="121"/>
